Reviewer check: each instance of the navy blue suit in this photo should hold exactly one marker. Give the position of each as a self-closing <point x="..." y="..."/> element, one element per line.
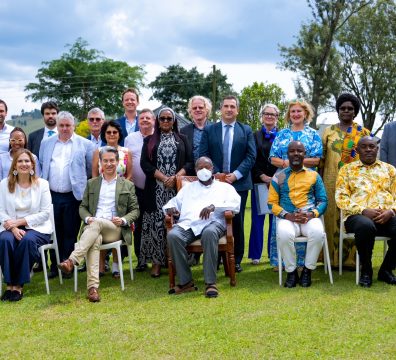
<point x="122" y="121"/>
<point x="243" y="156"/>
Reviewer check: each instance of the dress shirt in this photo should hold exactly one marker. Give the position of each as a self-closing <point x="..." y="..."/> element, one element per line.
<point x="96" y="141"/>
<point x="293" y="190"/>
<point x="362" y="187"/>
<point x="5" y="137"/>
<point x="195" y="196"/>
<point x="130" y="127"/>
<point x="59" y="177"/>
<point x="46" y="132"/>
<point x="237" y="173"/>
<point x="106" y="204"/>
<point x="134" y="142"/>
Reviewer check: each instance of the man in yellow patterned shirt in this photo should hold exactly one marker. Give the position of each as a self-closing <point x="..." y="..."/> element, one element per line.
<point x="366" y="192"/>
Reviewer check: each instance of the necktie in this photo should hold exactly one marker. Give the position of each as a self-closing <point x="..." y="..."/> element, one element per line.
<point x="226" y="145"/>
<point x="51" y="132"/>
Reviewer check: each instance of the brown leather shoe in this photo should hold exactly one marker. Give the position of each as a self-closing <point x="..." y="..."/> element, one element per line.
<point x="93" y="294"/>
<point x="66" y="266"/>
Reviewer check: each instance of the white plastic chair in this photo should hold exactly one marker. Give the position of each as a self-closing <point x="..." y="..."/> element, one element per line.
<point x="52" y="245"/>
<point x="117" y="246"/>
<point x="345" y="235"/>
<point x="302" y="239"/>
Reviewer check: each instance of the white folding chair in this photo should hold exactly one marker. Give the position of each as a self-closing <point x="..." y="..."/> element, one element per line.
<point x="302" y="239"/>
<point x="52" y="245"/>
<point x="345" y="235"/>
<point x="117" y="246"/>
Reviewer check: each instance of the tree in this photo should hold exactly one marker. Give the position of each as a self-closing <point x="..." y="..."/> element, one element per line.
<point x="176" y="85"/>
<point x="83" y="78"/>
<point x="368" y="45"/>
<point x="254" y="97"/>
<point x="314" y="57"/>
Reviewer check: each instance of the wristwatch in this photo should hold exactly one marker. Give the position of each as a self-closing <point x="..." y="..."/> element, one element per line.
<point x="283" y="214"/>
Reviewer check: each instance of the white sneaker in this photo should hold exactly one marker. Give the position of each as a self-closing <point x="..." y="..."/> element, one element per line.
<point x="255" y="261"/>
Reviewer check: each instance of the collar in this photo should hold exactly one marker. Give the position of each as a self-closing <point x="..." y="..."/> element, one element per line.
<point x="301" y="170"/>
<point x="112" y="181"/>
<point x="224" y="124"/>
<point x="65" y="142"/>
<point x="375" y="163"/>
<point x="136" y="118"/>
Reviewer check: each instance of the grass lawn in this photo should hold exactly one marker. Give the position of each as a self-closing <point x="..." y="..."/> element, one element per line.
<point x="255" y="320"/>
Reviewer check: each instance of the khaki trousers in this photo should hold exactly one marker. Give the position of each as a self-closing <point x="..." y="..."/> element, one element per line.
<point x="98" y="232"/>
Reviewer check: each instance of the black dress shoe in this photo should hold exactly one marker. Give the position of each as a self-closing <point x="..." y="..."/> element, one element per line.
<point x="387" y="276"/>
<point x="6" y="296"/>
<point x="238" y="268"/>
<point x="365" y="280"/>
<point x="83" y="268"/>
<point x="16" y="295"/>
<point x="305" y="279"/>
<point x="141" y="267"/>
<point x="53" y="274"/>
<point x="292" y="279"/>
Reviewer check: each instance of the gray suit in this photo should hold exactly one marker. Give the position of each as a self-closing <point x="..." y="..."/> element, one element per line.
<point x="388" y="144"/>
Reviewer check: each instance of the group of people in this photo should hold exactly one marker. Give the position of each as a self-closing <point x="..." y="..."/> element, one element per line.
<point x="122" y="179"/>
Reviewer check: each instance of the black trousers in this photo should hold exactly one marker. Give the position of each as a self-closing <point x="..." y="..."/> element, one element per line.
<point x="365" y="231"/>
<point x="67" y="224"/>
<point x="238" y="228"/>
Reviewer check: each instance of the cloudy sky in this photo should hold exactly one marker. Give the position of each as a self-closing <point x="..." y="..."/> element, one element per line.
<point x="240" y="37"/>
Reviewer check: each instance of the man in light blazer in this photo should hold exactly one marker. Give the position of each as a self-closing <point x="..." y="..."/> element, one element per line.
<point x="129" y="121"/>
<point x="49" y="110"/>
<point x="388" y="144"/>
<point x="109" y="207"/>
<point x="66" y="162"/>
<point x="230" y="144"/>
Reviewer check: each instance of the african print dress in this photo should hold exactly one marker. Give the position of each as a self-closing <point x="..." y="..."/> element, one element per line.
<point x="153" y="245"/>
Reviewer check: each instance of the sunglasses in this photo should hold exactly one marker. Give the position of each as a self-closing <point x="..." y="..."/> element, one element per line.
<point x="95" y="119"/>
<point x="165" y="119"/>
<point x="109" y="132"/>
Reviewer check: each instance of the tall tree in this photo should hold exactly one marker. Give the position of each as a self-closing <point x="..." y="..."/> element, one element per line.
<point x="368" y="46"/>
<point x="254" y="97"/>
<point x="176" y="85"/>
<point x="83" y="78"/>
<point x="314" y="57"/>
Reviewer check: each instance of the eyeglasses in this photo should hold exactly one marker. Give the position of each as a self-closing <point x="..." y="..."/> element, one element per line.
<point x="198" y="108"/>
<point x="109" y="132"/>
<point x="269" y="114"/>
<point x="19" y="141"/>
<point x="347" y="108"/>
<point x="95" y="119"/>
<point x="166" y="119"/>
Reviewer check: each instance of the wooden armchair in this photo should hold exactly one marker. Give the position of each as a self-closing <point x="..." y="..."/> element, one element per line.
<point x="226" y="243"/>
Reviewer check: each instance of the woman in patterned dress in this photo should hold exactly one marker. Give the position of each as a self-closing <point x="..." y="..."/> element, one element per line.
<point x="165" y="154"/>
<point x="298" y="116"/>
<point x="111" y="134"/>
<point x="339" y="148"/>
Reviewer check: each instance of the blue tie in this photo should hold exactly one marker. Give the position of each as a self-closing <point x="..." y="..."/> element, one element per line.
<point x="51" y="132"/>
<point x="226" y="145"/>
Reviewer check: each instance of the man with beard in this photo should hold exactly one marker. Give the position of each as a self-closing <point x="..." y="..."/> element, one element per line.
<point x="49" y="110"/>
<point x="5" y="129"/>
<point x="366" y="192"/>
<point x="298" y="198"/>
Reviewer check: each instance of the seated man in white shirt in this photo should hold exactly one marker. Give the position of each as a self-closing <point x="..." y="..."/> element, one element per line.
<point x="200" y="205"/>
<point x="109" y="207"/>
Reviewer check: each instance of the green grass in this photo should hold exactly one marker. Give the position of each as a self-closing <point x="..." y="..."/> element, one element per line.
<point x="255" y="320"/>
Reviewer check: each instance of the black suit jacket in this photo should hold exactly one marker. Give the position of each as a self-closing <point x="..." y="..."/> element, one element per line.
<point x="262" y="164"/>
<point x="243" y="151"/>
<point x="34" y="141"/>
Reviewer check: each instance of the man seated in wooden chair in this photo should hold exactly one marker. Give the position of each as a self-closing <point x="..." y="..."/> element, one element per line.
<point x="200" y="206"/>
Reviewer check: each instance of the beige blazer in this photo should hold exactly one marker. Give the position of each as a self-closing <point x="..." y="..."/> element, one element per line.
<point x="39" y="214"/>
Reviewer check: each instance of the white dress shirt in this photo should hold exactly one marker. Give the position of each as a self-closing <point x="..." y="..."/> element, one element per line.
<point x="106" y="204"/>
<point x="195" y="196"/>
<point x="59" y="177"/>
<point x="5" y="137"/>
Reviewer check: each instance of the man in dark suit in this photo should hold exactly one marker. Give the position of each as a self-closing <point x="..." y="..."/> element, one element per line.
<point x="108" y="208"/>
<point x="129" y="121"/>
<point x="388" y="144"/>
<point x="96" y="118"/>
<point x="49" y="110"/>
<point x="199" y="108"/>
<point x="230" y="145"/>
